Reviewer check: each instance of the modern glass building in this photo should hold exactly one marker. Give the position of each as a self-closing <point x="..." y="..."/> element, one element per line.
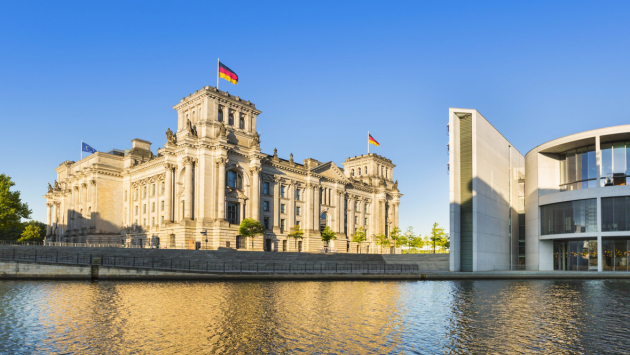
<point x="567" y="207"/>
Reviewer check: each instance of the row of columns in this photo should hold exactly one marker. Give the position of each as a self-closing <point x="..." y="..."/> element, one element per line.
<point x="237" y="116"/>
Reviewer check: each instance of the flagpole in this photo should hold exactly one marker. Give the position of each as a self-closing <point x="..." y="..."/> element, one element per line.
<point x="368" y="142"/>
<point x="81" y="150"/>
<point x="218" y="73"/>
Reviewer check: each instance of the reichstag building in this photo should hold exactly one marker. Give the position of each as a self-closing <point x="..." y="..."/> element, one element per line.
<point x="210" y="175"/>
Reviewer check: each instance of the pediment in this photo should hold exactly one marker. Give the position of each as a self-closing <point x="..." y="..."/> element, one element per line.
<point x="235" y="193"/>
<point x="331" y="171"/>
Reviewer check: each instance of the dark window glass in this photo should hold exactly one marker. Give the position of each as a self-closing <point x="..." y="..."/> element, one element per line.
<point x="282" y="206"/>
<point x="282" y="190"/>
<point x="266" y="188"/>
<point x="232" y="213"/>
<point x="569" y="217"/>
<point x="220" y="114"/>
<point x="231" y="179"/>
<point x="231" y="119"/>
<point x="616" y="214"/>
<point x="241" y="123"/>
<point x="265" y="205"/>
<point x="297" y="194"/>
<point x="266" y="222"/>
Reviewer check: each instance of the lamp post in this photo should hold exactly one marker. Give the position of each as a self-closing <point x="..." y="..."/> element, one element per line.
<point x="205" y="234"/>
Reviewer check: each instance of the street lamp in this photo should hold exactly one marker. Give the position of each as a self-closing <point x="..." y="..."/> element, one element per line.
<point x="205" y="234"/>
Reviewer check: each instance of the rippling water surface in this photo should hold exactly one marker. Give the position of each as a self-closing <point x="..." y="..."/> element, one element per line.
<point x="315" y="317"/>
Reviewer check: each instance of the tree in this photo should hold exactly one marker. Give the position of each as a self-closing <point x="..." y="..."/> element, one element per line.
<point x="445" y="242"/>
<point x="398" y="238"/>
<point x="12" y="210"/>
<point x="251" y="228"/>
<point x="328" y="235"/>
<point x="436" y="235"/>
<point x="296" y="234"/>
<point x="359" y="235"/>
<point x="32" y="233"/>
<point x="382" y="240"/>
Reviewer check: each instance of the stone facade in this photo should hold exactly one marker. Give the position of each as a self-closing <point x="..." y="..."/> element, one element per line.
<point x="210" y="175"/>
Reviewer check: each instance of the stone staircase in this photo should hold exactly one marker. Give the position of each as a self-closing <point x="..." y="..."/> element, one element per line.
<point x="425" y="262"/>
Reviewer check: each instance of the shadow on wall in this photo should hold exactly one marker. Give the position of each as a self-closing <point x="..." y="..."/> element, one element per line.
<point x="77" y="227"/>
<point x="491" y="243"/>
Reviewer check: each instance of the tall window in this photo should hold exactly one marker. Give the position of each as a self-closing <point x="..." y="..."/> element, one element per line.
<point x="220" y="115"/>
<point x="297" y="194"/>
<point x="265" y="205"/>
<point x="234" y="180"/>
<point x="135" y="195"/>
<point x="231" y="119"/>
<point x="323" y="221"/>
<point x="232" y="213"/>
<point x="266" y="222"/>
<point x="615" y="163"/>
<point x="356" y="205"/>
<point x="266" y="188"/>
<point x="162" y="205"/>
<point x="241" y="122"/>
<point x="282" y="191"/>
<point x="153" y="207"/>
<point x="144" y="192"/>
<point x="282" y="208"/>
<point x="359" y="170"/>
<point x="356" y="220"/>
<point x="578" y="169"/>
<point x="163" y="186"/>
<point x="144" y="208"/>
<point x="365" y="223"/>
<point x="298" y="211"/>
<point x="352" y="172"/>
<point x="136" y="210"/>
<point x="282" y="225"/>
<point x="153" y="190"/>
<point x="366" y="170"/>
<point x="365" y="207"/>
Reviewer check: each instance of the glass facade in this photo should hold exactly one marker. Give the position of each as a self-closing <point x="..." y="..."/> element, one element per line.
<point x="616" y="214"/>
<point x="578" y="169"/>
<point x="615" y="163"/>
<point x="615" y="254"/>
<point x="575" y="255"/>
<point x="569" y="217"/>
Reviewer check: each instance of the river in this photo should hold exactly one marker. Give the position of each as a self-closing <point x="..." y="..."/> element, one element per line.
<point x="431" y="317"/>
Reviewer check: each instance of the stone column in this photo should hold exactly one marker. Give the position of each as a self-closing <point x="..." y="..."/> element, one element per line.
<point x="226" y="114"/>
<point x="168" y="193"/>
<point x="255" y="198"/>
<point x="188" y="187"/>
<point x="308" y="192"/>
<point x="291" y="207"/>
<point x="48" y="208"/>
<point x="351" y="224"/>
<point x="221" y="188"/>
<point x="316" y="197"/>
<point x="276" y="205"/>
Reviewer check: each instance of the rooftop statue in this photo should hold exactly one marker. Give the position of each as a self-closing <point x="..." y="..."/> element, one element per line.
<point x="170" y="137"/>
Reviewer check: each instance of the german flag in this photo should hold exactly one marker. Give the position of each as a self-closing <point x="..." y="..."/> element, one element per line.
<point x="372" y="140"/>
<point x="227" y="74"/>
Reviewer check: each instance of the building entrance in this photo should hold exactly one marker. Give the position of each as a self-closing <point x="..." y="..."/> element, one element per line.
<point x="575" y="255"/>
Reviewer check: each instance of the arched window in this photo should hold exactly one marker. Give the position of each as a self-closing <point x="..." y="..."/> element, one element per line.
<point x="322" y="221"/>
<point x="234" y="180"/>
<point x="366" y="170"/>
<point x="231" y="119"/>
<point x="241" y="122"/>
<point x="220" y="114"/>
<point x="352" y="172"/>
<point x="359" y="170"/>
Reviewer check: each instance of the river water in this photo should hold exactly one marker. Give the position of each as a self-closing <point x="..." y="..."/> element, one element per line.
<point x="458" y="317"/>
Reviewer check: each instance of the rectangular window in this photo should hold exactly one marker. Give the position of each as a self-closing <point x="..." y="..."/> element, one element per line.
<point x="265" y="205"/>
<point x="365" y="222"/>
<point x="297" y="194"/>
<point x="153" y="207"/>
<point x="153" y="190"/>
<point x="136" y="210"/>
<point x="284" y="245"/>
<point x="282" y="206"/>
<point x="135" y="195"/>
<point x="144" y="208"/>
<point x="282" y="221"/>
<point x="282" y="191"/>
<point x="266" y="222"/>
<point x="297" y="223"/>
<point x="356" y="206"/>
<point x="569" y="217"/>
<point x="152" y="221"/>
<point x="144" y="221"/>
<point x="298" y="211"/>
<point x="162" y="220"/>
<point x="162" y="205"/>
<point x="356" y="220"/>
<point x="144" y="192"/>
<point x="616" y="214"/>
<point x="163" y="186"/>
<point x="232" y="213"/>
<point x="266" y="188"/>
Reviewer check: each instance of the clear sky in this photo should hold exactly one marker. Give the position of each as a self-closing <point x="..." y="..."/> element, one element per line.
<point x="323" y="73"/>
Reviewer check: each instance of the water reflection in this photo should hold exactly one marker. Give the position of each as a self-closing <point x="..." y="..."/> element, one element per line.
<point x="314" y="317"/>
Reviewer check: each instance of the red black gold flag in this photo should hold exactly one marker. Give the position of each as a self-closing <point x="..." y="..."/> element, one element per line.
<point x="372" y="140"/>
<point x="227" y="74"/>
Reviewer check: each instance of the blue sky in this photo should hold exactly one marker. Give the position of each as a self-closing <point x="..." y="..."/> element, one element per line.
<point x="321" y="72"/>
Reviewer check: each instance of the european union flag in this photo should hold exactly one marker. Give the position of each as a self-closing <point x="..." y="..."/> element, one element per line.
<point x="86" y="148"/>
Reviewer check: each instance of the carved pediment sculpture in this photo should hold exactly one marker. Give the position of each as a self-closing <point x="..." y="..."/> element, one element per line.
<point x="57" y="187"/>
<point x="256" y="139"/>
<point x="50" y="188"/>
<point x="170" y="137"/>
<point x="222" y="130"/>
<point x="191" y="129"/>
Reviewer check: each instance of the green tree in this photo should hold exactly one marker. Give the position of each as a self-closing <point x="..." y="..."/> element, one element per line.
<point x="415" y="243"/>
<point x="382" y="240"/>
<point x="445" y="242"/>
<point x="12" y="210"/>
<point x="359" y="236"/>
<point x="296" y="234"/>
<point x="398" y="238"/>
<point x="251" y="228"/>
<point x="436" y="235"/>
<point x="328" y="235"/>
<point x="32" y="233"/>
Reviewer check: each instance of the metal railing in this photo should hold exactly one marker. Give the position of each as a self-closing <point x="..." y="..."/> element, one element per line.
<point x="206" y="266"/>
<point x="15" y="242"/>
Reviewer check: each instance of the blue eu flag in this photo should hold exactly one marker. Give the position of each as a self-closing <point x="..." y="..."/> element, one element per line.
<point x="86" y="148"/>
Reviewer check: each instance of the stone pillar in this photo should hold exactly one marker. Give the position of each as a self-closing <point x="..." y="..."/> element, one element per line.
<point x="351" y="225"/>
<point x="340" y="211"/>
<point x="308" y="192"/>
<point x="316" y="196"/>
<point x="168" y="193"/>
<point x="188" y="187"/>
<point x="48" y="229"/>
<point x="276" y="205"/>
<point x="291" y="207"/>
<point x="226" y="115"/>
<point x="255" y="198"/>
<point x="221" y="188"/>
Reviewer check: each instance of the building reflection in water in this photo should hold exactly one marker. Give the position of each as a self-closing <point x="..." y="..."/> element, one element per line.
<point x="314" y="317"/>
